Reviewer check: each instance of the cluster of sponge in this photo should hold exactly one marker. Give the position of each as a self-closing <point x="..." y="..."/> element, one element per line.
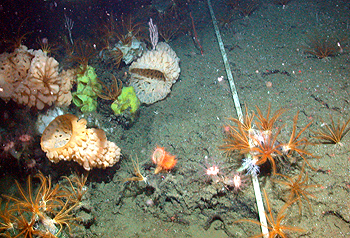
<point x="154" y="73"/>
<point x="67" y="138"/>
<point x="32" y="78"/>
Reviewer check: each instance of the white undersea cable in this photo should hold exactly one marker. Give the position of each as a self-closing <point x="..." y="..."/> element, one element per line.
<point x="256" y="186"/>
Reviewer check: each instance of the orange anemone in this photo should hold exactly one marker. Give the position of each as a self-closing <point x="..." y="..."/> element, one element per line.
<point x="163" y="160"/>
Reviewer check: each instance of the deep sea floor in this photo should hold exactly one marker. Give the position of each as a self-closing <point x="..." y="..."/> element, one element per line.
<point x="266" y="53"/>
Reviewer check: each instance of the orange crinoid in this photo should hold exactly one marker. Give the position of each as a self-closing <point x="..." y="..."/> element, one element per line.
<point x="261" y="139"/>
<point x="163" y="160"/>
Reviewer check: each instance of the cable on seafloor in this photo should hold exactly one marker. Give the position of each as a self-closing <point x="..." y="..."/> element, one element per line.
<point x="258" y="197"/>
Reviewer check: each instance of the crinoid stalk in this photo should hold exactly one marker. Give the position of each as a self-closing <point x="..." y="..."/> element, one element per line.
<point x="261" y="143"/>
<point x="137" y="172"/>
<point x="332" y="133"/>
<point x="323" y="46"/>
<point x="267" y="123"/>
<point x="111" y="92"/>
<point x="297" y="144"/>
<point x="296" y="188"/>
<point x="275" y="226"/>
<point x="267" y="150"/>
<point x="41" y="212"/>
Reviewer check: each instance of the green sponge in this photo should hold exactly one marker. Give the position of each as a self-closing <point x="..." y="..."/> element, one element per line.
<point x="127" y="101"/>
<point x="87" y="85"/>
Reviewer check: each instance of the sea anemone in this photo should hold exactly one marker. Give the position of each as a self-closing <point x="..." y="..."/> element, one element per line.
<point x="237" y="181"/>
<point x="212" y="169"/>
<point x="163" y="160"/>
